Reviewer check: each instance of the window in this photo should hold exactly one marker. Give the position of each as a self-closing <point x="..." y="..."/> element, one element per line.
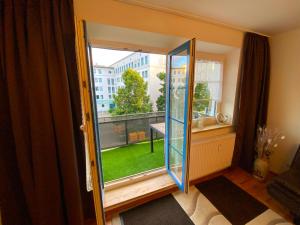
<point x="208" y="87"/>
<point x="97" y="96"/>
<point x="108" y="81"/>
<point x="102" y="105"/>
<point x="109" y="71"/>
<point x="146" y="74"/>
<point x="100" y="80"/>
<point x="142" y="61"/>
<point x="100" y="88"/>
<point x="109" y="96"/>
<point x="97" y="88"/>
<point x="146" y="59"/>
<point x="113" y="90"/>
<point x="109" y="89"/>
<point x="101" y="96"/>
<point x="112" y="81"/>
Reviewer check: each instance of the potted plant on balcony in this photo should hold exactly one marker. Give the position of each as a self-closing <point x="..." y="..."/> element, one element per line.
<point x="266" y="143"/>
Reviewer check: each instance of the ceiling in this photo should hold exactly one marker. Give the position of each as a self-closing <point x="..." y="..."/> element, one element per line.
<point x="262" y="16"/>
<point x="107" y="36"/>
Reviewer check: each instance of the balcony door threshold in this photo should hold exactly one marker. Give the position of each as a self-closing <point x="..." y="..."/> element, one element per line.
<point x="132" y="191"/>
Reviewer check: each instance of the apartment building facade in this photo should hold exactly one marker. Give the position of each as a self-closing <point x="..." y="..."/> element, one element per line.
<point x="109" y="79"/>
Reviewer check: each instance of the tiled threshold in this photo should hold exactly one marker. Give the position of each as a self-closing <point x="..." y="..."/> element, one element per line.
<point x="144" y="188"/>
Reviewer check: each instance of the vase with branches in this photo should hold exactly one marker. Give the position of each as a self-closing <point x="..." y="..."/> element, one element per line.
<point x="267" y="140"/>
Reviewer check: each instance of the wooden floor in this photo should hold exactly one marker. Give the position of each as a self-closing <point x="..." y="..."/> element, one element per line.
<point x="254" y="187"/>
<point x="257" y="189"/>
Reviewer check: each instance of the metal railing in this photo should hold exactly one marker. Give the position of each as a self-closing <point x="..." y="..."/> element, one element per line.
<point x="116" y="131"/>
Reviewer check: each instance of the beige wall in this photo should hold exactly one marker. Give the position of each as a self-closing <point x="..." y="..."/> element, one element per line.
<point x="116" y="13"/>
<point x="284" y="103"/>
<point x="230" y="74"/>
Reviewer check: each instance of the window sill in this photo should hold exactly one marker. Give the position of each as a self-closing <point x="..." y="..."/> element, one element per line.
<point x="136" y="190"/>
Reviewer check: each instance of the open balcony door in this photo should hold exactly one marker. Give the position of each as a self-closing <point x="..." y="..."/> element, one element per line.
<point x="179" y="96"/>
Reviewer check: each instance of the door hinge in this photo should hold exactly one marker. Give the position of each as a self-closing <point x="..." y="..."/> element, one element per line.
<point x="87" y="117"/>
<point x="84" y="84"/>
<point x="92" y="163"/>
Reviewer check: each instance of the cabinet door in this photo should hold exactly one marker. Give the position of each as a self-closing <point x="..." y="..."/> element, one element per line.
<point x="211" y="156"/>
<point x="225" y="151"/>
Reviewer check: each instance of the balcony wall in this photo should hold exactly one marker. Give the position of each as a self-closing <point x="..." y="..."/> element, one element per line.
<point x="122" y="130"/>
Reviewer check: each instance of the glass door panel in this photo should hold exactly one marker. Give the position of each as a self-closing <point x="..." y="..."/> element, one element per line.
<point x="178" y="112"/>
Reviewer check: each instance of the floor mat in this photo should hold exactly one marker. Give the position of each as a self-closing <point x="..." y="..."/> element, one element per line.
<point x="162" y="211"/>
<point x="234" y="203"/>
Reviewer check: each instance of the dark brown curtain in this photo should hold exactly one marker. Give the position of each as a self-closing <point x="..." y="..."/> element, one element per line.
<point x="42" y="154"/>
<point x="252" y="97"/>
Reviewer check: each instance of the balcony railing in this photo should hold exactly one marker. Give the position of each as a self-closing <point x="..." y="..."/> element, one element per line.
<point x="122" y="130"/>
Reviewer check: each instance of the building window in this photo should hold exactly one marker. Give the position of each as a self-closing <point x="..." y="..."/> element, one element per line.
<point x="109" y="89"/>
<point x="146" y="59"/>
<point x="97" y="88"/>
<point x="108" y="81"/>
<point x="100" y="88"/>
<point x="142" y="61"/>
<point x="97" y="96"/>
<point x="102" y="105"/>
<point x="146" y="74"/>
<point x="109" y="71"/>
<point x="113" y="90"/>
<point x="109" y="96"/>
<point x="101" y="96"/>
<point x="99" y="71"/>
<point x="112" y="81"/>
<point x="100" y="80"/>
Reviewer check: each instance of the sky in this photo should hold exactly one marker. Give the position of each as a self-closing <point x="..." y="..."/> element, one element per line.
<point x="106" y="57"/>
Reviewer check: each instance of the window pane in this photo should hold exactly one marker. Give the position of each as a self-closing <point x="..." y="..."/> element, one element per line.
<point x="176" y="164"/>
<point x="176" y="135"/>
<point x="177" y="89"/>
<point x="207" y="87"/>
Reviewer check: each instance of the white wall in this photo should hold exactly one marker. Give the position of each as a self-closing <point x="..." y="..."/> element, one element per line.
<point x="284" y="100"/>
<point x="230" y="74"/>
<point x="118" y="13"/>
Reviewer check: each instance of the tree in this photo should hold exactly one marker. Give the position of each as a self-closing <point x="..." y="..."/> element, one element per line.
<point x="161" y="100"/>
<point x="201" y="97"/>
<point x="132" y="98"/>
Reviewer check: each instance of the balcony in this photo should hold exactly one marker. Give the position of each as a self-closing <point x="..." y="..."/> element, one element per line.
<point x="125" y="143"/>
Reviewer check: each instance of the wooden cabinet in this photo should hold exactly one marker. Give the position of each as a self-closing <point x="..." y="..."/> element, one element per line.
<point x="211" y="155"/>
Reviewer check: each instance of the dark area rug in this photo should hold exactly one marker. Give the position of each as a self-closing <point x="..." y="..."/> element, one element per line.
<point x="162" y="211"/>
<point x="234" y="203"/>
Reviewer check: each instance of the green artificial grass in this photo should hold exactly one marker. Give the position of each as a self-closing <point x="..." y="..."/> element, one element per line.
<point x="132" y="159"/>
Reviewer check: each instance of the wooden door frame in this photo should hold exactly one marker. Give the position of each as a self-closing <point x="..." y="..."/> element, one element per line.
<point x="87" y="119"/>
